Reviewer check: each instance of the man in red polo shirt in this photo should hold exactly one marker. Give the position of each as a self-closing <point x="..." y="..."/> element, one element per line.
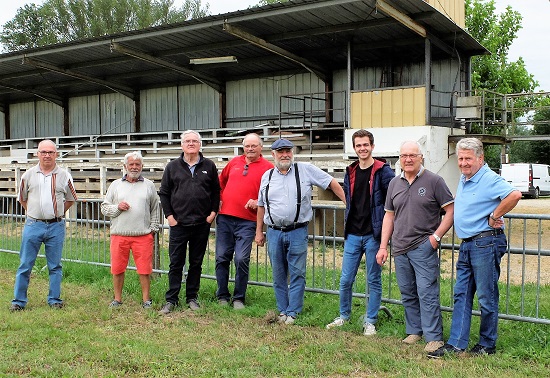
<point x="236" y="221"/>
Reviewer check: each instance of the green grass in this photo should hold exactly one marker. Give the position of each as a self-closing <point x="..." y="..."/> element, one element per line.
<point x="86" y="339"/>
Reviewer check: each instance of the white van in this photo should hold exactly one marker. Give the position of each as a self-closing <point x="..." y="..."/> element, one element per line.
<point x="530" y="179"/>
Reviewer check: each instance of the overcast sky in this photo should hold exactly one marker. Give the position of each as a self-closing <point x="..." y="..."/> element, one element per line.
<point x="531" y="44"/>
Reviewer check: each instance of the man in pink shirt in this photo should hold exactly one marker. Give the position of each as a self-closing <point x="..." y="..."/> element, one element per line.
<point x="236" y="221"/>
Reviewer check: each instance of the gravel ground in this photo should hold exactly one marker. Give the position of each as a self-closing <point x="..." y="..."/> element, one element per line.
<point x="533" y="206"/>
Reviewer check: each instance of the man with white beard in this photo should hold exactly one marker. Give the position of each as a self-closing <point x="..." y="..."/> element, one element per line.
<point x="284" y="205"/>
<point x="133" y="205"/>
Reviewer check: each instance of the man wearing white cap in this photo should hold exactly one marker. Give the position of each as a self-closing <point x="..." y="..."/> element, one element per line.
<point x="284" y="205"/>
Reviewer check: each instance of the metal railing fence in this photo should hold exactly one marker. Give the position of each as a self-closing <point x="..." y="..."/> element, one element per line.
<point x="525" y="269"/>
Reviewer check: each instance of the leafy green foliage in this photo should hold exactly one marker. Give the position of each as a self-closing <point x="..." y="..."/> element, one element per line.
<point x="496" y="33"/>
<point x="59" y="21"/>
<point x="540" y="150"/>
<point x="495" y="72"/>
<point x="520" y="151"/>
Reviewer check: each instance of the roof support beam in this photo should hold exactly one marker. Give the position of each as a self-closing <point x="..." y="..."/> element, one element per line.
<point x="58" y="100"/>
<point x="308" y="65"/>
<point x="412" y="25"/>
<point x="122" y="89"/>
<point x="401" y="18"/>
<point x="205" y="79"/>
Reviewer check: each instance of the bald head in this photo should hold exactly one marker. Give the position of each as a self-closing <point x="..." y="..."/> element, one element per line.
<point x="47" y="153"/>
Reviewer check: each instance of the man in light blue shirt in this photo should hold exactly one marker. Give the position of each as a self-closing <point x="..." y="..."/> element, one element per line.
<point x="482" y="199"/>
<point x="284" y="204"/>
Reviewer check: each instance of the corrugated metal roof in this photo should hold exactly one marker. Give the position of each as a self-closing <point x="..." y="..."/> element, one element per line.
<point x="316" y="31"/>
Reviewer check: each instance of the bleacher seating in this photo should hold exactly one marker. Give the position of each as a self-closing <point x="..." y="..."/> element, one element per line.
<point x="95" y="161"/>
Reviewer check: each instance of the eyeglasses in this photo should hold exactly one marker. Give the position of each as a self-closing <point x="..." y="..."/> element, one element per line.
<point x="245" y="170"/>
<point x="193" y="141"/>
<point x="47" y="152"/>
<point x="409" y="156"/>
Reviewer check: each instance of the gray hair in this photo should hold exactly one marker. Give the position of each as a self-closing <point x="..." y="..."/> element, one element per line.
<point x="260" y="141"/>
<point x="472" y="144"/>
<point x="47" y="141"/>
<point x="135" y="155"/>
<point x="187" y="132"/>
<point x="413" y="142"/>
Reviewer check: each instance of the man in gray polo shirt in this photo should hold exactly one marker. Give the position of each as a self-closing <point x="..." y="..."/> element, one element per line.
<point x="46" y="192"/>
<point x="284" y="204"/>
<point x="414" y="203"/>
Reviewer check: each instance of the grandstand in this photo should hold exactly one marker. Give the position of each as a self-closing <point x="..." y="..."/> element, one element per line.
<point x="96" y="160"/>
<point x="313" y="71"/>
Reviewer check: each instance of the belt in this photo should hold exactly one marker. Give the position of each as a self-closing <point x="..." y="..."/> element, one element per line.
<point x="484" y="234"/>
<point x="53" y="220"/>
<point x="293" y="226"/>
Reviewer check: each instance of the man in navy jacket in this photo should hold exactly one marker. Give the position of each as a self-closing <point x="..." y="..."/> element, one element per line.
<point x="365" y="185"/>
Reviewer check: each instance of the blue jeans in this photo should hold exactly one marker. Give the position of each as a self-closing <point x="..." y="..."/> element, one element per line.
<point x="197" y="238"/>
<point x="417" y="273"/>
<point x="34" y="234"/>
<point x="477" y="269"/>
<point x="287" y="253"/>
<point x="233" y="236"/>
<point x="354" y="248"/>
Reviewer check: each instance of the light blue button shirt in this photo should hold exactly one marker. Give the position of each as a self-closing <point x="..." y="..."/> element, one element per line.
<point x="476" y="198"/>
<point x="282" y="193"/>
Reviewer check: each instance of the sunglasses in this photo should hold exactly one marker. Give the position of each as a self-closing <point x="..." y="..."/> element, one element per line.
<point x="245" y="171"/>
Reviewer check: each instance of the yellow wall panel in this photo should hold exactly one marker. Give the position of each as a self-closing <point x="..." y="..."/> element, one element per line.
<point x="408" y="109"/>
<point x="388" y="108"/>
<point x="454" y="9"/>
<point x="356" y="110"/>
<point x="397" y="108"/>
<point x="367" y="108"/>
<point x="419" y="106"/>
<point x="376" y="113"/>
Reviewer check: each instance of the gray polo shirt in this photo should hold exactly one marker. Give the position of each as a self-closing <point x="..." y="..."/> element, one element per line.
<point x="416" y="208"/>
<point x="46" y="194"/>
<point x="282" y="193"/>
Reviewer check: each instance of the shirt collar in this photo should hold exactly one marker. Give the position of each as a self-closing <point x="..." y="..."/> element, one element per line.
<point x="54" y="170"/>
<point x="478" y="174"/>
<point x="287" y="172"/>
<point x="417" y="175"/>
<point x="140" y="178"/>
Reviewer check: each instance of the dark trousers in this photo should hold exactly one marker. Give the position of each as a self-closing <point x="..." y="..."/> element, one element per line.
<point x="197" y="238"/>
<point x="234" y="236"/>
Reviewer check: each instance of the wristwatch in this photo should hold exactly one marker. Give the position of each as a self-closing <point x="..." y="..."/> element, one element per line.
<point x="437" y="238"/>
<point x="492" y="216"/>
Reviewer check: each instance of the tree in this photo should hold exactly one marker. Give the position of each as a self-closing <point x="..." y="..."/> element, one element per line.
<point x="495" y="72"/>
<point x="67" y="20"/>
<point x="520" y="151"/>
<point x="27" y="29"/>
<point x="540" y="150"/>
<point x="496" y="33"/>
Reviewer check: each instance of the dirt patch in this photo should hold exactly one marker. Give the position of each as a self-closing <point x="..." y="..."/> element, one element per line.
<point x="533" y="206"/>
<point x="527" y="237"/>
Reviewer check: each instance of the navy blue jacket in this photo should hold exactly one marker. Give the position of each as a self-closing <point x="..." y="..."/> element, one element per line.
<point x="381" y="176"/>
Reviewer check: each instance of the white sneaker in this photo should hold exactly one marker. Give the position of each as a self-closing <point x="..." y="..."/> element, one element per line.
<point x="281" y="318"/>
<point x="337" y="322"/>
<point x="290" y="320"/>
<point x="369" y="329"/>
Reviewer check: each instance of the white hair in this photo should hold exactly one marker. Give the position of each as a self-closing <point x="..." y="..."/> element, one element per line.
<point x="135" y="155"/>
<point x="187" y="132"/>
<point x="413" y="142"/>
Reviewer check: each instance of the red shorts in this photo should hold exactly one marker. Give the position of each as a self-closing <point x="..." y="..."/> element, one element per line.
<point x="142" y="249"/>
